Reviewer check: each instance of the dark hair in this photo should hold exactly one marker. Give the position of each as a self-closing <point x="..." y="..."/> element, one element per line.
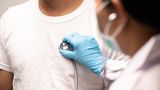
<point x="145" y="11"/>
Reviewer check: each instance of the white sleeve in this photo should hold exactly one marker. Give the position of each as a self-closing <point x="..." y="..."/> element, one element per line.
<point x="113" y="70"/>
<point x="115" y="65"/>
<point x="4" y="61"/>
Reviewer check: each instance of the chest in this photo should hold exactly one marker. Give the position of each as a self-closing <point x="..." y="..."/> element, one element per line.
<point x="37" y="44"/>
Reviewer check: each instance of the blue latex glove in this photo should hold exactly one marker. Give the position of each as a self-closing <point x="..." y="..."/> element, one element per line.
<point x="85" y="51"/>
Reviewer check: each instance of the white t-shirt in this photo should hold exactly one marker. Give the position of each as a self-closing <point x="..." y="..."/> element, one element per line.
<point x="29" y="43"/>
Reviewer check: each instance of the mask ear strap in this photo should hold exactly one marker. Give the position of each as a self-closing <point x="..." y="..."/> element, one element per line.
<point x="119" y="28"/>
<point x="110" y="20"/>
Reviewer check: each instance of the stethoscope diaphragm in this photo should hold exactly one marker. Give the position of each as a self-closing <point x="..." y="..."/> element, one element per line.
<point x="66" y="46"/>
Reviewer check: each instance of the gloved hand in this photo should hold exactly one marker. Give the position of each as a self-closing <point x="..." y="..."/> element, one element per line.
<point x="85" y="51"/>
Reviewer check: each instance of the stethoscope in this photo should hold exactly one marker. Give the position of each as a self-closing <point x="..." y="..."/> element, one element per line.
<point x="68" y="46"/>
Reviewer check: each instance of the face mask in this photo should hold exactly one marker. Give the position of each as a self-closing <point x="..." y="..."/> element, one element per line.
<point x="113" y="50"/>
<point x="110" y="40"/>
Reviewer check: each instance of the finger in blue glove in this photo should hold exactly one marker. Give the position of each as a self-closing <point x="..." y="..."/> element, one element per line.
<point x="86" y="52"/>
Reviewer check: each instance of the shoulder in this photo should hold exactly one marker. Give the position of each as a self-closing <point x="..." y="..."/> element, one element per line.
<point x="17" y="11"/>
<point x="15" y="16"/>
<point x="24" y="6"/>
<point x="150" y="78"/>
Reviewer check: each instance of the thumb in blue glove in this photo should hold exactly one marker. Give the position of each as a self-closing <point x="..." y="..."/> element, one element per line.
<point x="85" y="51"/>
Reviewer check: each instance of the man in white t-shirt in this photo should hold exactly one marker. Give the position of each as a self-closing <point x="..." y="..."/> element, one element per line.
<point x="30" y="34"/>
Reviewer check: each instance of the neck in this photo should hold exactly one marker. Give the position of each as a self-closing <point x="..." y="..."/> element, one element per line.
<point x="136" y="35"/>
<point x="58" y="7"/>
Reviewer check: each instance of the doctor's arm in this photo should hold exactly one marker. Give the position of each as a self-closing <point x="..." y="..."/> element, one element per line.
<point x="5" y="80"/>
<point x="87" y="53"/>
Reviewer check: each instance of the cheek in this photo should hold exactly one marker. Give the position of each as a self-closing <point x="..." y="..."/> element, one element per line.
<point x="114" y="26"/>
<point x="122" y="41"/>
<point x="102" y="18"/>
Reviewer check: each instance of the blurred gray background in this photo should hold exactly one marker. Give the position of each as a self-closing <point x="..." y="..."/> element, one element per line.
<point x="4" y="4"/>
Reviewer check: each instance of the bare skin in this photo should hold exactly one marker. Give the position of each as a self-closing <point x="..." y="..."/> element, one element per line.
<point x="58" y="7"/>
<point x="134" y="35"/>
<point x="5" y="80"/>
<point x="49" y="8"/>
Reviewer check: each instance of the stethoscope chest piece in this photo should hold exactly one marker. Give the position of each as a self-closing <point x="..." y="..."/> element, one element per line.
<point x="66" y="46"/>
